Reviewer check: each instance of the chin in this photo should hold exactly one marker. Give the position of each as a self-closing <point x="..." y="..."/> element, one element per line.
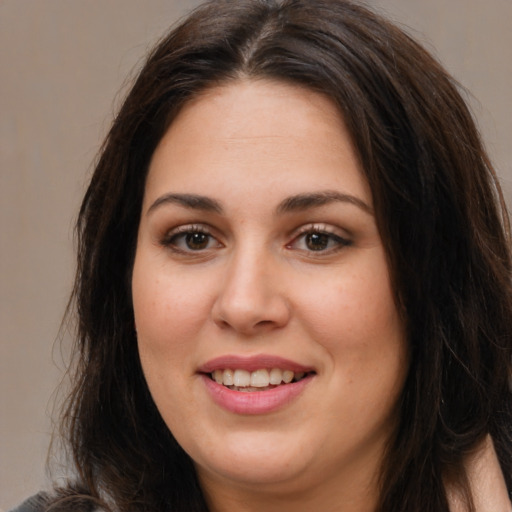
<point x="258" y="459"/>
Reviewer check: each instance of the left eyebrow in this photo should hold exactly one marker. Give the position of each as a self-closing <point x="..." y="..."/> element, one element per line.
<point x="317" y="199"/>
<point x="190" y="201"/>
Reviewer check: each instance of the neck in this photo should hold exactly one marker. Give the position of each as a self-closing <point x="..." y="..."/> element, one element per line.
<point x="355" y="492"/>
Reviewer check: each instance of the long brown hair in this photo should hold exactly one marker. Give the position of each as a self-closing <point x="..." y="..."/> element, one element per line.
<point x="440" y="214"/>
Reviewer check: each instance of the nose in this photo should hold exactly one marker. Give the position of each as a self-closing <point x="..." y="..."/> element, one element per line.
<point x="251" y="299"/>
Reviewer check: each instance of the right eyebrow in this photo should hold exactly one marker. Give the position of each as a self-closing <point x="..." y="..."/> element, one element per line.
<point x="318" y="199"/>
<point x="191" y="201"/>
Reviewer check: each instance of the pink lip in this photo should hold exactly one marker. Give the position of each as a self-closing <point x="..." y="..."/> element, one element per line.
<point x="254" y="402"/>
<point x="252" y="363"/>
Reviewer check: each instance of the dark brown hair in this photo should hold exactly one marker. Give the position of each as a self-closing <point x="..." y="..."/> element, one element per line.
<point x="440" y="214"/>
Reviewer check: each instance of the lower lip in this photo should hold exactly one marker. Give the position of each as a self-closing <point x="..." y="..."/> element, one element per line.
<point x="255" y="402"/>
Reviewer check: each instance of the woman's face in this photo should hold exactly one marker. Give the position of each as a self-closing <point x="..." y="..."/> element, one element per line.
<point x="259" y="261"/>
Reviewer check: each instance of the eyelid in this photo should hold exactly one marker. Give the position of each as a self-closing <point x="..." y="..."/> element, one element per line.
<point x="338" y="238"/>
<point x="320" y="227"/>
<point x="343" y="240"/>
<point x="185" y="228"/>
<point x="167" y="239"/>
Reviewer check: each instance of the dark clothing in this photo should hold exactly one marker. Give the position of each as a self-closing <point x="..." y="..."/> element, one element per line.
<point x="33" y="504"/>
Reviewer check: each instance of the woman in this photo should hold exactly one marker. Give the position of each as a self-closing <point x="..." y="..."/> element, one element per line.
<point x="293" y="283"/>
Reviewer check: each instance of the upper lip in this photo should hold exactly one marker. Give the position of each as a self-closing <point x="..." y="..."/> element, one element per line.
<point x="252" y="363"/>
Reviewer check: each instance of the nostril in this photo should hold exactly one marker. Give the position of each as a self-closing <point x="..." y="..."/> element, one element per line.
<point x="264" y="323"/>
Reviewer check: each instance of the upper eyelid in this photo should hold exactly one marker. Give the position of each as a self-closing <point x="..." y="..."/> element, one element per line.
<point x="319" y="227"/>
<point x="208" y="229"/>
<point x="184" y="228"/>
<point x="190" y="228"/>
<point x="166" y="237"/>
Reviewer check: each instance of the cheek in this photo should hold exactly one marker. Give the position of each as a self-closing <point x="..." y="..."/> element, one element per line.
<point x="169" y="308"/>
<point x="354" y="318"/>
<point x="168" y="318"/>
<point x="358" y="326"/>
<point x="355" y="309"/>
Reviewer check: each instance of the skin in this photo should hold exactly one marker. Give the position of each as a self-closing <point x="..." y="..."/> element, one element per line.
<point x="256" y="286"/>
<point x="486" y="481"/>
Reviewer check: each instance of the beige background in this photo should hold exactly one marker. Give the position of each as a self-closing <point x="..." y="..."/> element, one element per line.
<point x="62" y="63"/>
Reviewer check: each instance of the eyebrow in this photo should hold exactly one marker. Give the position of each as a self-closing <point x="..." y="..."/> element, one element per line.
<point x="191" y="201"/>
<point x="290" y="204"/>
<point x="318" y="199"/>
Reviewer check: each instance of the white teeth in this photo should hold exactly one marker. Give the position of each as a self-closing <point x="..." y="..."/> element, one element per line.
<point x="241" y="378"/>
<point x="258" y="379"/>
<point x="287" y="376"/>
<point x="276" y="376"/>
<point x="229" y="378"/>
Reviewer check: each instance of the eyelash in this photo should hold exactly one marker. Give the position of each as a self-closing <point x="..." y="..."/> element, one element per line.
<point x="329" y="242"/>
<point x="180" y="234"/>
<point x="334" y="241"/>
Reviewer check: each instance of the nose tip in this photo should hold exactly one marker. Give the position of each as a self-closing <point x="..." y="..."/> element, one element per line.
<point x="249" y="318"/>
<point x="251" y="300"/>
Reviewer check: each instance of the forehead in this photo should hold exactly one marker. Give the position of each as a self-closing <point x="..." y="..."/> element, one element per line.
<point x="252" y="133"/>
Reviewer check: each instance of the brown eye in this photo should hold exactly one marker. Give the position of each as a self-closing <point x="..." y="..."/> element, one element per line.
<point x="197" y="241"/>
<point x="188" y="239"/>
<point x="317" y="241"/>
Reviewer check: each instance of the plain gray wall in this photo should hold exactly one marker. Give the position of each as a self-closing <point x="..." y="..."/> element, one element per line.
<point x="62" y="64"/>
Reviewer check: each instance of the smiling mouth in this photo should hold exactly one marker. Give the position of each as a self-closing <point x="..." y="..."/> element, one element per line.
<point x="258" y="380"/>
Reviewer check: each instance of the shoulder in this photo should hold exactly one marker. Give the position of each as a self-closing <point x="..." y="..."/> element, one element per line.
<point x="43" y="502"/>
<point x="36" y="503"/>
